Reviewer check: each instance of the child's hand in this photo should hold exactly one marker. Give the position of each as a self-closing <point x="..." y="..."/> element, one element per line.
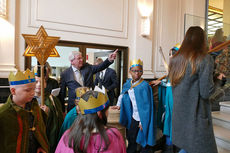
<point x="45" y="109"/>
<point x="154" y="83"/>
<point x="221" y="76"/>
<point x="40" y="150"/>
<point x="140" y="126"/>
<point x="115" y="107"/>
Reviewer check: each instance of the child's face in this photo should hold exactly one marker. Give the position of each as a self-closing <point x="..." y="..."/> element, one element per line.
<point x="136" y="73"/>
<point x="23" y="93"/>
<point x="38" y="85"/>
<point x="172" y="52"/>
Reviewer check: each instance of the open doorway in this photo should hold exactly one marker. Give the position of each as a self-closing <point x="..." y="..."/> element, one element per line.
<point x="90" y="52"/>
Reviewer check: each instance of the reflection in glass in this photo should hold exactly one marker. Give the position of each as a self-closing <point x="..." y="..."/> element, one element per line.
<point x="218" y="33"/>
<point x="58" y="64"/>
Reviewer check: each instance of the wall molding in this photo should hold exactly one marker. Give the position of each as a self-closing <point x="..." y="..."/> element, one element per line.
<point x="168" y="31"/>
<point x="6" y="69"/>
<point x="159" y="66"/>
<point x="35" y="20"/>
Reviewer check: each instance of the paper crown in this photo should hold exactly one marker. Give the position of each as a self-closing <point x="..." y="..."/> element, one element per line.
<point x="135" y="62"/>
<point x="92" y="102"/>
<point x="21" y="77"/>
<point x="80" y="91"/>
<point x="176" y="47"/>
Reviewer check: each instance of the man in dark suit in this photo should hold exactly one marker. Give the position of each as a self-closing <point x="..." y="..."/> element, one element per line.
<point x="108" y="79"/>
<point x="79" y="75"/>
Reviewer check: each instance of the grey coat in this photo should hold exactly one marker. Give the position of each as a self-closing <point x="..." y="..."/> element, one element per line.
<point x="192" y="128"/>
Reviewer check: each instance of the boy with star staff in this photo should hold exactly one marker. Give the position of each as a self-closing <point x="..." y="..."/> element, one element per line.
<point x="52" y="107"/>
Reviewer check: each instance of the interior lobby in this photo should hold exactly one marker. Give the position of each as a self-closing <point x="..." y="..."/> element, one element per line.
<point x="139" y="29"/>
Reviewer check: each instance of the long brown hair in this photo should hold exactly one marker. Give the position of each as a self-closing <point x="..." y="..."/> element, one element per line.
<point x="192" y="50"/>
<point x="82" y="129"/>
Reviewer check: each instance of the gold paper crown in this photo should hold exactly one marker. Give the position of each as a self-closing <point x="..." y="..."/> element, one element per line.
<point x="136" y="62"/>
<point x="92" y="102"/>
<point x="80" y="91"/>
<point x="21" y="77"/>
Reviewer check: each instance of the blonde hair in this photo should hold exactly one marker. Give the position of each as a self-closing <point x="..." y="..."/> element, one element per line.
<point x="47" y="65"/>
<point x="99" y="60"/>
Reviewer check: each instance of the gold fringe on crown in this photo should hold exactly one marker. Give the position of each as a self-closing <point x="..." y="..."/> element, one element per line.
<point x="21" y="77"/>
<point x="136" y="62"/>
<point x="93" y="104"/>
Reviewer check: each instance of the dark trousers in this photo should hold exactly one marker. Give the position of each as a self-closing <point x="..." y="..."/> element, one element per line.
<point x="131" y="135"/>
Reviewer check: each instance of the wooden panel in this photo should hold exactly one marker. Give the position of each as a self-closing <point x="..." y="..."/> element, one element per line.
<point x="168" y="20"/>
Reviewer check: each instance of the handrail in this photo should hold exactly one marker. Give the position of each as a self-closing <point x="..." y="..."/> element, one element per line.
<point x="220" y="47"/>
<point x="216" y="49"/>
<point x="4" y="86"/>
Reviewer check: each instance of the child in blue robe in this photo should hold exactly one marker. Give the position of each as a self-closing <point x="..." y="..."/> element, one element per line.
<point x="137" y="110"/>
<point x="165" y="107"/>
<point x="72" y="114"/>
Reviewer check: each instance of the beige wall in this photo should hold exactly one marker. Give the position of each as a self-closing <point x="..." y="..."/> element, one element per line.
<point x="217" y="3"/>
<point x="226" y="17"/>
<point x="113" y="22"/>
<point x="7" y="41"/>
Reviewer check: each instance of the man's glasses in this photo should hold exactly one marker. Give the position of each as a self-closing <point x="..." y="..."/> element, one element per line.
<point x="138" y="71"/>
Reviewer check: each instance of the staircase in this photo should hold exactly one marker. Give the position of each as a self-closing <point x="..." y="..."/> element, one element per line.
<point x="221" y="126"/>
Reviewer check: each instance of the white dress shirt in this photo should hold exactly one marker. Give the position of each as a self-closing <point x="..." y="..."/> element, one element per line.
<point x="133" y="101"/>
<point x="102" y="74"/>
<point x="78" y="76"/>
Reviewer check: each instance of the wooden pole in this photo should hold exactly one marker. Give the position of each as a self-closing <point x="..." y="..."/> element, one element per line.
<point x="159" y="79"/>
<point x="42" y="85"/>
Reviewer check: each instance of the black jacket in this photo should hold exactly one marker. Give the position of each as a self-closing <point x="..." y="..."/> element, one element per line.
<point x="68" y="81"/>
<point x="109" y="81"/>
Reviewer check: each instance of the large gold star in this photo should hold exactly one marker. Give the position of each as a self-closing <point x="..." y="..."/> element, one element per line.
<point x="41" y="45"/>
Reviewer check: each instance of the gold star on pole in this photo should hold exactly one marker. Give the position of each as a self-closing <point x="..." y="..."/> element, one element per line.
<point x="41" y="45"/>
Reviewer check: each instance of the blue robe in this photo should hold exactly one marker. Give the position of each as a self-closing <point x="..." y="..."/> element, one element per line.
<point x="69" y="119"/>
<point x="165" y="108"/>
<point x="145" y="105"/>
<point x="161" y="106"/>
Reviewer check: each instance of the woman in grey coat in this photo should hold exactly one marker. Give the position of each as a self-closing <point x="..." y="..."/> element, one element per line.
<point x="190" y="73"/>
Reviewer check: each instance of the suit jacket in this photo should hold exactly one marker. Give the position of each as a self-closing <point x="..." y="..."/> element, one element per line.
<point x="109" y="81"/>
<point x="68" y="80"/>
